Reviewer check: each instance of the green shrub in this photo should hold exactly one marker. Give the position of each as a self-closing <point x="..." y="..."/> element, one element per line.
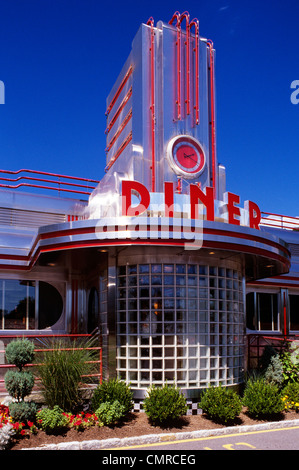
<point x="52" y="421"/>
<point x="290" y="395"/>
<point x="20" y="352"/>
<point x="164" y="404"/>
<point x="110" y="413"/>
<point x="110" y="391"/>
<point x="19" y="384"/>
<point x="262" y="399"/>
<point x="23" y="411"/>
<point x="221" y="404"/>
<point x="61" y="372"/>
<point x="290" y="362"/>
<point x="274" y="372"/>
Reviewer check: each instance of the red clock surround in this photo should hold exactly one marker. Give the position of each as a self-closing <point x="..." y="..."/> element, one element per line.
<point x="186" y="156"/>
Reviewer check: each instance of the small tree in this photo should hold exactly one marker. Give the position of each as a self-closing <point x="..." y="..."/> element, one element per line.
<point x="19" y="383"/>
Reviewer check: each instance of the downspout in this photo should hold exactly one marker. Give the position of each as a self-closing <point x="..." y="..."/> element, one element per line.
<point x="187" y="17"/>
<point x="177" y="16"/>
<point x="195" y="23"/>
<point x="212" y="104"/>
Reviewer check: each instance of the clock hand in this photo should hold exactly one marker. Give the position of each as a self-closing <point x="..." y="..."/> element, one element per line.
<point x="190" y="156"/>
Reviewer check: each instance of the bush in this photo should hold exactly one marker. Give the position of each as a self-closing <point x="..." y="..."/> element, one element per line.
<point x="110" y="413"/>
<point x="262" y="399"/>
<point x="290" y="362"/>
<point x="110" y="391"/>
<point x="61" y="372"/>
<point x="290" y="395"/>
<point x="274" y="372"/>
<point x="23" y="411"/>
<point x="164" y="404"/>
<point x="20" y="352"/>
<point x="52" y="421"/>
<point x="19" y="384"/>
<point x="221" y="404"/>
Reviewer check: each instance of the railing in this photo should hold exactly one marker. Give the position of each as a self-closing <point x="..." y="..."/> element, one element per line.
<point x="256" y="345"/>
<point x="53" y="181"/>
<point x="97" y="376"/>
<point x="279" y="221"/>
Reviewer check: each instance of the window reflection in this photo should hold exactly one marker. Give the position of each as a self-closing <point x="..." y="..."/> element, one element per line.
<point x="18" y="305"/>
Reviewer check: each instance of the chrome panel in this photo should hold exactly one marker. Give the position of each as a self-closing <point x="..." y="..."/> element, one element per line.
<point x="135" y="160"/>
<point x="41" y="203"/>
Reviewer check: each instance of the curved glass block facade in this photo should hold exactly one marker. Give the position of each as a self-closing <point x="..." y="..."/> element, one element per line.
<point x="181" y="323"/>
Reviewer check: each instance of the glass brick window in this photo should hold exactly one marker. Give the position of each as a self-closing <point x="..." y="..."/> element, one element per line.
<point x="180" y="323"/>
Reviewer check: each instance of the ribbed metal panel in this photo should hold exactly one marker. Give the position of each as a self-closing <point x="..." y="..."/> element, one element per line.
<point x="294" y="249"/>
<point x="26" y="218"/>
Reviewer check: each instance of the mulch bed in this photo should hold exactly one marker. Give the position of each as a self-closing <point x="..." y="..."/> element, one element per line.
<point x="138" y="424"/>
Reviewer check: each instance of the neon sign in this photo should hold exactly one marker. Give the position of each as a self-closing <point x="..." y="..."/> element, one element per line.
<point x="197" y="199"/>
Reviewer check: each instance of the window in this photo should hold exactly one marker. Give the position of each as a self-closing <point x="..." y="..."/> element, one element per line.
<point x="294" y="312"/>
<point x="262" y="311"/>
<point x="18" y="305"/>
<point x="93" y="310"/>
<point x="50" y="305"/>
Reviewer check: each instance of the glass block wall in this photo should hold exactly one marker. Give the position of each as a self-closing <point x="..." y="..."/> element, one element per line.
<point x="180" y="323"/>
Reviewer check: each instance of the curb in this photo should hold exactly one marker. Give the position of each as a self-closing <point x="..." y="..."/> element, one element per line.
<point x="115" y="443"/>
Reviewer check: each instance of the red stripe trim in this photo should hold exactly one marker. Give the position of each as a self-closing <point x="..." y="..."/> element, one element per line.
<point x="121" y="106"/>
<point x="119" y="90"/>
<point x="272" y="284"/>
<point x="91" y="243"/>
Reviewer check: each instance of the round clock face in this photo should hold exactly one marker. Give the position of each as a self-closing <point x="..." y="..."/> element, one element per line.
<point x="186" y="156"/>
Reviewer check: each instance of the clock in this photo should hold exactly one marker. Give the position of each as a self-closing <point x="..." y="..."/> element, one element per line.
<point x="186" y="156"/>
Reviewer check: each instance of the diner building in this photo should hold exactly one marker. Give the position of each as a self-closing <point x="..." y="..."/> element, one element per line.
<point x="181" y="281"/>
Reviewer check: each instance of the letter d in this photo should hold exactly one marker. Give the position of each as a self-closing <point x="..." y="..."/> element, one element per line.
<point x="133" y="186"/>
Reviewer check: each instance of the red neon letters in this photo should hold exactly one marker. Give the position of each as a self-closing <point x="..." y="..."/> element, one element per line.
<point x="197" y="199"/>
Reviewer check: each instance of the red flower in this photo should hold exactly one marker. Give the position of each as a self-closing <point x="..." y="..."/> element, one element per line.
<point x="30" y="423"/>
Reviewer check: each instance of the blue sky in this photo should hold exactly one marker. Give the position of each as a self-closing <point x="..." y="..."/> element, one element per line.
<point x="60" y="58"/>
